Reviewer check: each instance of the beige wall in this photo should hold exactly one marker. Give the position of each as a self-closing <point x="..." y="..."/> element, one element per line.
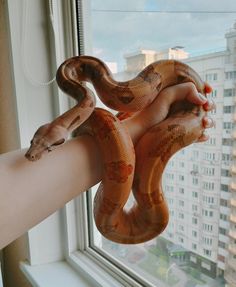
<point x="9" y="140"/>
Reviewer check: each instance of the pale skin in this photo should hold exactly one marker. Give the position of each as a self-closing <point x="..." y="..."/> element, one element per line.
<point x="31" y="191"/>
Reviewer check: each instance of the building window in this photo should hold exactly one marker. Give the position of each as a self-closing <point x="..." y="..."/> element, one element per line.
<point x="207" y="227"/>
<point x="230" y="75"/>
<point x="214" y="94"/>
<point x="194" y="246"/>
<point x="224" y="187"/>
<point x="195" y="194"/>
<point x="223" y="217"/>
<point x="181" y="203"/>
<point x="224" y="202"/>
<point x="207" y="241"/>
<point x="208" y="185"/>
<point x="194" y="207"/>
<point x="227" y="141"/>
<point x="181" y="177"/>
<point x="228" y="109"/>
<point x="228" y="125"/>
<point x="229" y="92"/>
<point x="208" y="199"/>
<point x="222" y="230"/>
<point x="194" y="220"/>
<point x="222" y="244"/>
<point x="181" y="190"/>
<point x="226" y="157"/>
<point x="195" y="181"/>
<point x="225" y="172"/>
<point x="211" y="77"/>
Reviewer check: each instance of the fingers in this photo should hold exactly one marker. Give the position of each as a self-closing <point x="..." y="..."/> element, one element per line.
<point x="207" y="123"/>
<point x="208" y="88"/>
<point x="209" y="105"/>
<point x="203" y="138"/>
<point x="186" y="91"/>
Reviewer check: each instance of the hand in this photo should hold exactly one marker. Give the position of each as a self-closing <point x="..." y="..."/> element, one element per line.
<point x="158" y="110"/>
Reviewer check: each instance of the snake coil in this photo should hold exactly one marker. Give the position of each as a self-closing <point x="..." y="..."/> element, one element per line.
<point x="125" y="167"/>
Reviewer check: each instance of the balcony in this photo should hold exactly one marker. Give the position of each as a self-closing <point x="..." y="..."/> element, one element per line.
<point x="232" y="186"/>
<point x="232" y="218"/>
<point x="232" y="248"/>
<point x="232" y="263"/>
<point x="233" y="170"/>
<point x="232" y="234"/>
<point x="233" y="202"/>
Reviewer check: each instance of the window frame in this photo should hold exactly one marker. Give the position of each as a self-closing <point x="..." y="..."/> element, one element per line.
<point x="69" y="249"/>
<point x="73" y="247"/>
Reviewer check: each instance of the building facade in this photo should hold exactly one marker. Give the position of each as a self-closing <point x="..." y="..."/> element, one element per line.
<point x="200" y="181"/>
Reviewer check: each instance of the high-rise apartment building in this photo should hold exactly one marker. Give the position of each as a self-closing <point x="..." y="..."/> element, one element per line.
<point x="200" y="181"/>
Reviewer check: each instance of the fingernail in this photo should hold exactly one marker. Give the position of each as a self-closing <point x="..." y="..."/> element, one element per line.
<point x="209" y="105"/>
<point x="208" y="123"/>
<point x="202" y="97"/>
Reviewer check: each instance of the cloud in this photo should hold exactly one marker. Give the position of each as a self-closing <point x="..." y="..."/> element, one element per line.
<point x="116" y="33"/>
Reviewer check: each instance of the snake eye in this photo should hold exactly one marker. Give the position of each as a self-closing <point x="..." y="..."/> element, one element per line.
<point x="59" y="142"/>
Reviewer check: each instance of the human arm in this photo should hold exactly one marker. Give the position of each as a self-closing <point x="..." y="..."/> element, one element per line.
<point x="32" y="191"/>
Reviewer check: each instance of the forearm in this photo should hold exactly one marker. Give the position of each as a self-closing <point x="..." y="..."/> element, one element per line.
<point x="30" y="192"/>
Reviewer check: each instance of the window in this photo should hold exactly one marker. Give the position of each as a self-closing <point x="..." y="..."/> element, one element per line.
<point x="207" y="252"/>
<point x="103" y="30"/>
<point x="228" y="125"/>
<point x="224" y="202"/>
<point x="195" y="181"/>
<point x="181" y="190"/>
<point x="227" y="142"/>
<point x="211" y="77"/>
<point x="214" y="94"/>
<point x="228" y="109"/>
<point x="224" y="187"/>
<point x="208" y="185"/>
<point x="230" y="75"/>
<point x="229" y="92"/>
<point x="194" y="207"/>
<point x="194" y="220"/>
<point x="181" y="203"/>
<point x="181" y="177"/>
<point x="194" y="247"/>
<point x="225" y="172"/>
<point x="223" y="217"/>
<point x="195" y="194"/>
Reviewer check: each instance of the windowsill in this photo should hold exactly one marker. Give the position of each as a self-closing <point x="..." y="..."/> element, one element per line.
<point x="61" y="274"/>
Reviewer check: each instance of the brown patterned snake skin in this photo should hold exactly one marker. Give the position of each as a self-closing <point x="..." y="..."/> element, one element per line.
<point x="125" y="168"/>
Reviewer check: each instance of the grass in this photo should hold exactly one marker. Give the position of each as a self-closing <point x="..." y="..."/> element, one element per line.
<point x="158" y="266"/>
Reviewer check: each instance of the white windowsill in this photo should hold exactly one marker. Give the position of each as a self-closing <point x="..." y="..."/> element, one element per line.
<point x="61" y="274"/>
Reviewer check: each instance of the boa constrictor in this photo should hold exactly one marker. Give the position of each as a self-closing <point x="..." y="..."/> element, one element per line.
<point x="125" y="167"/>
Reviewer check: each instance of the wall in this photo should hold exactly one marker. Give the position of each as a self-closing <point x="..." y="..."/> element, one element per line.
<point x="23" y="105"/>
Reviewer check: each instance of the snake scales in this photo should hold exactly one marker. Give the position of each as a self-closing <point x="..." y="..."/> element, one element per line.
<point x="125" y="167"/>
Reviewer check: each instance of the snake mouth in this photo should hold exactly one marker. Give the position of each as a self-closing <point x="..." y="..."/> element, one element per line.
<point x="31" y="156"/>
<point x="34" y="153"/>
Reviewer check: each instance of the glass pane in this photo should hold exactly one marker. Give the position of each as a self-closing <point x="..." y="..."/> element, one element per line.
<point x="198" y="248"/>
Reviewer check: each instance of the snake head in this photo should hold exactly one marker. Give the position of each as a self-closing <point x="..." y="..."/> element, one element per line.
<point x="46" y="138"/>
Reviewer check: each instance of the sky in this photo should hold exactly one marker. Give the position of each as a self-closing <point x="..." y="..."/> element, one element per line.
<point x="117" y="29"/>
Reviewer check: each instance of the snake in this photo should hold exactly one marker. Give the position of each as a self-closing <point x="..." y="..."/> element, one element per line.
<point x="127" y="167"/>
